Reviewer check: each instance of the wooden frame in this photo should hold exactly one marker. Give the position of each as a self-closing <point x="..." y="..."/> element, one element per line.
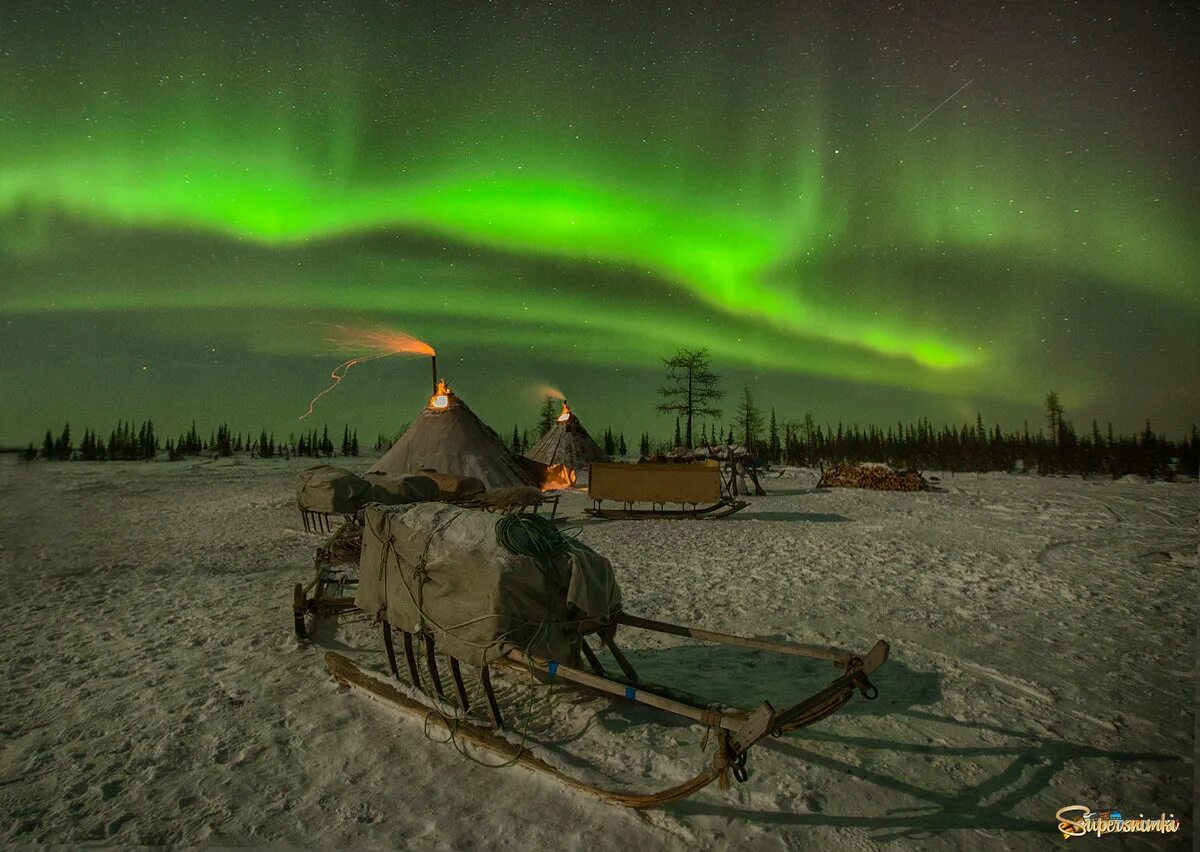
<point x="737" y="730"/>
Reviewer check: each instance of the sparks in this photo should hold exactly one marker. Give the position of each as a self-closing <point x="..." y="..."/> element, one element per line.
<point x="380" y="343"/>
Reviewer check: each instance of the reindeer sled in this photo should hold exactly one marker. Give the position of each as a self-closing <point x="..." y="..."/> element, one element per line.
<point x="478" y="594"/>
<point x="697" y="489"/>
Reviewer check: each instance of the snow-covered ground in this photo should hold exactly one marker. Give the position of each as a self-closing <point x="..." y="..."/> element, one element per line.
<point x="1043" y="634"/>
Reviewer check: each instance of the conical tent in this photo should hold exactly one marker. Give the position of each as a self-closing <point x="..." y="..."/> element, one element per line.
<point x="567" y="443"/>
<point x="448" y="437"/>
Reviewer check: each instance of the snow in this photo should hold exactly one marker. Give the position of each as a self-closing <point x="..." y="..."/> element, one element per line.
<point x="1042" y="634"/>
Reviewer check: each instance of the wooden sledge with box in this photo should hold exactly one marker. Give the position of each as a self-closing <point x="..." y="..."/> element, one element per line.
<point x="696" y="488"/>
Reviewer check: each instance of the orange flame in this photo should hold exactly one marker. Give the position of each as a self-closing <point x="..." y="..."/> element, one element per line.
<point x="557" y="477"/>
<point x="379" y="342"/>
<point x="441" y="397"/>
<point x="566" y="413"/>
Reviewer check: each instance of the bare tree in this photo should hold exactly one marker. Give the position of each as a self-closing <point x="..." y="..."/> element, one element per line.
<point x="691" y="389"/>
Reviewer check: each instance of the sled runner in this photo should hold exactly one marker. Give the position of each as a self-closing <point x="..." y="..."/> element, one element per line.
<point x="462" y="591"/>
<point x="698" y="486"/>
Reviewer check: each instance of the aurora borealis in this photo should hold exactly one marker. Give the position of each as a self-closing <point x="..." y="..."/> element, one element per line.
<point x="189" y="193"/>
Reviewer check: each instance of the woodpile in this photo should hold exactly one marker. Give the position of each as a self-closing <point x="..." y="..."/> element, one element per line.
<point x="877" y="477"/>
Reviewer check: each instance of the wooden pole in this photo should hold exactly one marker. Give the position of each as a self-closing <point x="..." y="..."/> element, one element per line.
<point x="729" y="722"/>
<point x="842" y="658"/>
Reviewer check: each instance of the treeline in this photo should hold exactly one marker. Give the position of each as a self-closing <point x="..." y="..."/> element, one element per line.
<point x="970" y="447"/>
<point x="976" y="448"/>
<point x="124" y="444"/>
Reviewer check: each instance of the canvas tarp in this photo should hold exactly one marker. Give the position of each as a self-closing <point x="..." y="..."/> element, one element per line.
<point x="440" y="568"/>
<point x="394" y="490"/>
<point x="332" y="490"/>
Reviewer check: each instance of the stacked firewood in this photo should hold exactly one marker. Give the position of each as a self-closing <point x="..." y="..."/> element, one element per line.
<point x="875" y="476"/>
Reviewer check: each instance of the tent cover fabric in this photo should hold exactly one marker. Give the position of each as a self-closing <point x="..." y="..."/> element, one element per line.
<point x="452" y="439"/>
<point x="440" y="568"/>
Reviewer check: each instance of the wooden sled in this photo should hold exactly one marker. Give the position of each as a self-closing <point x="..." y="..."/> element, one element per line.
<point x="331" y="591"/>
<point x="736" y="730"/>
<point x="699" y="486"/>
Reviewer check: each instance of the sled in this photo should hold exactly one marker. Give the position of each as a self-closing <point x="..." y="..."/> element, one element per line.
<point x="335" y="577"/>
<point x="735" y="730"/>
<point x="696" y="488"/>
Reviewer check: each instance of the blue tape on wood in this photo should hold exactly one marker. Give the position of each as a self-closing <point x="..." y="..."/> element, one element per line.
<point x="552" y="668"/>
<point x="631" y="693"/>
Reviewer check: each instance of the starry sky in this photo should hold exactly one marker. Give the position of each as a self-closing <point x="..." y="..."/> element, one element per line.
<point x="874" y="212"/>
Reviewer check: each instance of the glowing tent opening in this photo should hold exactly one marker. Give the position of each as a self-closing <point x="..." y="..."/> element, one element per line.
<point x="566" y="413"/>
<point x="557" y="477"/>
<point x="441" y="397"/>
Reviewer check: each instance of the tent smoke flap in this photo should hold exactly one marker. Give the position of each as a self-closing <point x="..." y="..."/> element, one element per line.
<point x="466" y="577"/>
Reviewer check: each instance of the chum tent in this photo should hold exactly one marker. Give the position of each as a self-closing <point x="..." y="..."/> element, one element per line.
<point x="567" y="443"/>
<point x="448" y="437"/>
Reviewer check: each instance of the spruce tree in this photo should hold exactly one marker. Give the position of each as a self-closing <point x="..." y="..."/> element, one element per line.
<point x="547" y="414"/>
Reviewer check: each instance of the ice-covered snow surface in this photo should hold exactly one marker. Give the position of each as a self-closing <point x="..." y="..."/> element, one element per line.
<point x="1042" y="632"/>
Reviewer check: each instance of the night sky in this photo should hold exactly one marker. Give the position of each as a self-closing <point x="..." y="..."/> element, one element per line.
<point x="874" y="212"/>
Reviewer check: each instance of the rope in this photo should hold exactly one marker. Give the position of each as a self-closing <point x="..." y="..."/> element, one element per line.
<point x="525" y="535"/>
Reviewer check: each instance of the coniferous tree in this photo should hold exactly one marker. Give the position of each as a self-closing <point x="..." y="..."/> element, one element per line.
<point x="515" y="444"/>
<point x="748" y="420"/>
<point x="48" y="450"/>
<point x="621" y="448"/>
<point x="644" y="447"/>
<point x="774" y="447"/>
<point x="63" y="446"/>
<point x="525" y="442"/>
<point x="547" y="414"/>
<point x="610" y="447"/>
<point x="690" y="390"/>
<point x="354" y="443"/>
<point x="678" y="435"/>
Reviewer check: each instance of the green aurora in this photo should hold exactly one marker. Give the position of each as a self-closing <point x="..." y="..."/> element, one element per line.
<point x="501" y="186"/>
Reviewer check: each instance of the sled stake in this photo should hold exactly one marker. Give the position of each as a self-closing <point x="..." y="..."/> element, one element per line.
<point x="391" y="650"/>
<point x="410" y="657"/>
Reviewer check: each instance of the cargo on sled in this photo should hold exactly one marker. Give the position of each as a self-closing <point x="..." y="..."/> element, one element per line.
<point x="462" y="592"/>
